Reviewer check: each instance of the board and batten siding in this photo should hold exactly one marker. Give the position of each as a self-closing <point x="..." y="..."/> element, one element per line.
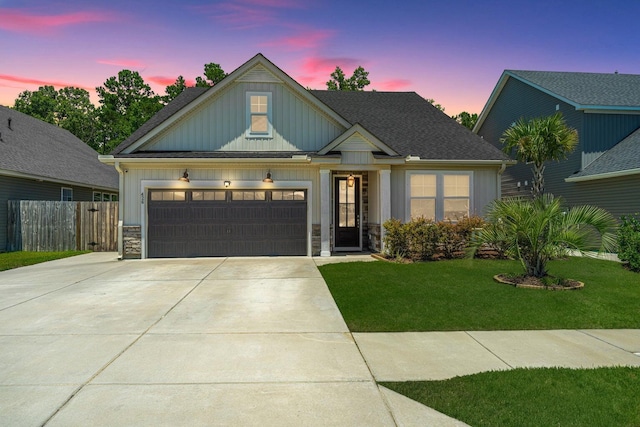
<point x="484" y="181"/>
<point x="221" y="123"/>
<point x="132" y="204"/>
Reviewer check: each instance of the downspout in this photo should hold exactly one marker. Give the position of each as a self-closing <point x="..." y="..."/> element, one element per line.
<point x="120" y="209"/>
<point x="503" y="166"/>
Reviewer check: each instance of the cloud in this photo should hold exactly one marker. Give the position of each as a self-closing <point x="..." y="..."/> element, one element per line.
<point x="20" y="21"/>
<point x="122" y="62"/>
<point x="307" y="39"/>
<point x="245" y="14"/>
<point x="166" y="81"/>
<point x="37" y="82"/>
<point x="316" y="70"/>
<point x="393" y="85"/>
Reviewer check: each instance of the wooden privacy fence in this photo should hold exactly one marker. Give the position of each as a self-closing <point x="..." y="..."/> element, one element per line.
<point x="62" y="226"/>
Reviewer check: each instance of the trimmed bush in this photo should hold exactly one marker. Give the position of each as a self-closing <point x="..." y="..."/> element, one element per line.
<point x="423" y="239"/>
<point x="629" y="241"/>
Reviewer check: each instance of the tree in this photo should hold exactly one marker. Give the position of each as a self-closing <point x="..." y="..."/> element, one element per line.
<point x="41" y="104"/>
<point x="467" y="120"/>
<point x="127" y="103"/>
<point x="172" y="91"/>
<point x="537" y="141"/>
<point x="357" y="82"/>
<point x="69" y="108"/>
<point x="537" y="231"/>
<point x="213" y="74"/>
<point x="433" y="102"/>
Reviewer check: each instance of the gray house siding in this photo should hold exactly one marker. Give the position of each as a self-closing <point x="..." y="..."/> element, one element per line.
<point x="519" y="100"/>
<point x="12" y="188"/>
<point x="603" y="131"/>
<point x="620" y="196"/>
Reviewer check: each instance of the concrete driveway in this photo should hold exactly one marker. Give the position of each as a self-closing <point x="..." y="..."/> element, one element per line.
<point x="93" y="341"/>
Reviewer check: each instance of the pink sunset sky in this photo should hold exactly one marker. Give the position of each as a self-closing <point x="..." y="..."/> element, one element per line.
<point x="452" y="51"/>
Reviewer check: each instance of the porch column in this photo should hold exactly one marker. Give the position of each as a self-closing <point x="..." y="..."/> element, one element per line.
<point x="385" y="201"/>
<point x="325" y="212"/>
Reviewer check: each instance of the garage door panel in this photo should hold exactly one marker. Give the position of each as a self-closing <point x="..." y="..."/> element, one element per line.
<point x="190" y="227"/>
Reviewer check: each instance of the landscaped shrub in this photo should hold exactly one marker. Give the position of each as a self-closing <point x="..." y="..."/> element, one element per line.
<point x="629" y="241"/>
<point x="423" y="239"/>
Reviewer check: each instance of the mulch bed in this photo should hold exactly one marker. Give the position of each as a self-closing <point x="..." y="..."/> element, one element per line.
<point x="531" y="282"/>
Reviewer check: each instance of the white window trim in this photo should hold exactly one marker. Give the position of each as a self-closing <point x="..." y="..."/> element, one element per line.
<point x="62" y="194"/>
<point x="439" y="190"/>
<point x="256" y="135"/>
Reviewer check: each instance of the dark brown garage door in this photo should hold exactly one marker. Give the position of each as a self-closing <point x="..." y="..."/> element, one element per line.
<point x="226" y="223"/>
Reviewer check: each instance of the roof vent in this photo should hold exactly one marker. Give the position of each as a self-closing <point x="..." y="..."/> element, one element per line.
<point x="9" y="122"/>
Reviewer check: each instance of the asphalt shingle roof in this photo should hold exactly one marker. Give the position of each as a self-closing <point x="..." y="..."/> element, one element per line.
<point x="403" y="120"/>
<point x="588" y="89"/>
<point x="623" y="156"/>
<point x="33" y="147"/>
<point x="410" y="125"/>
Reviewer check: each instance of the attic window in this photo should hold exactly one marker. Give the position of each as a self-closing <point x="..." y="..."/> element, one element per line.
<point x="259" y="115"/>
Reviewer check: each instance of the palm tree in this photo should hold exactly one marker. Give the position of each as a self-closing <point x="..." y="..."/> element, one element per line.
<point x="539" y="140"/>
<point x="536" y="231"/>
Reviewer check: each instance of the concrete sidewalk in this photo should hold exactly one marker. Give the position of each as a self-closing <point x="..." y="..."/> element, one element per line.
<point x="90" y="340"/>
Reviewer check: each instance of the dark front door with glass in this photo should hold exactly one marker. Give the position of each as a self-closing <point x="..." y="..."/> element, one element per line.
<point x="347" y="213"/>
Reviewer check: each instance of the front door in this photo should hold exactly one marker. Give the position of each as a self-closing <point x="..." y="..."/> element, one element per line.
<point x="347" y="213"/>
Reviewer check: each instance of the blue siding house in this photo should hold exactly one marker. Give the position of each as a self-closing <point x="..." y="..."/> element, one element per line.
<point x="604" y="170"/>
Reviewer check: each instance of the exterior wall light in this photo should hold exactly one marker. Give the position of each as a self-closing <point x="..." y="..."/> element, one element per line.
<point x="351" y="180"/>
<point x="227" y="184"/>
<point x="268" y="177"/>
<point x="185" y="176"/>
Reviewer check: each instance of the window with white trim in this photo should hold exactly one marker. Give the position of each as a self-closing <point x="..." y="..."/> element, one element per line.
<point x="66" y="194"/>
<point x="438" y="195"/>
<point x="99" y="196"/>
<point x="259" y="115"/>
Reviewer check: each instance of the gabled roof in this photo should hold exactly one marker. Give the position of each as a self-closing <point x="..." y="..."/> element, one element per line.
<point x="410" y="125"/>
<point x="584" y="91"/>
<point x="622" y="159"/>
<point x="357" y="130"/>
<point x="182" y="105"/>
<point x="32" y="148"/>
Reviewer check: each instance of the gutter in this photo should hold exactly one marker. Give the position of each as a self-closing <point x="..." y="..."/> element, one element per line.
<point x="110" y="160"/>
<point x="503" y="163"/>
<point x="615" y="174"/>
<point x="5" y="172"/>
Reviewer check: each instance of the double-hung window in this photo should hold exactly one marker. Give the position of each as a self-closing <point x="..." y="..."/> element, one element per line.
<point x="439" y="195"/>
<point x="259" y="115"/>
<point x="66" y="194"/>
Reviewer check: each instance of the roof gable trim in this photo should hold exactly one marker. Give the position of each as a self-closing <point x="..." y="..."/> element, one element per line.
<point x="375" y="143"/>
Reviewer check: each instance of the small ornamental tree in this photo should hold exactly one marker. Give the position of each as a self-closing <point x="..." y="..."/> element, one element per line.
<point x="537" y="231"/>
<point x="537" y="141"/>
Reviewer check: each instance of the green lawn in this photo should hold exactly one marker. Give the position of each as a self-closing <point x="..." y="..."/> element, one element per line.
<point x="462" y="295"/>
<point x="535" y="397"/>
<point x="9" y="260"/>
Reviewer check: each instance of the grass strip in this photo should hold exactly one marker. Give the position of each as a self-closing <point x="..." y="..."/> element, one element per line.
<point x="9" y="260"/>
<point x="534" y="397"/>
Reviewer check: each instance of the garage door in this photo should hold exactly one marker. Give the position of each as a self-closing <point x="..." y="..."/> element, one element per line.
<point x="226" y="223"/>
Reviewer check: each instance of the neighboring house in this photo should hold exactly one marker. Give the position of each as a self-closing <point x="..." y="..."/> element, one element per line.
<point x="40" y="161"/>
<point x="258" y="165"/>
<point x="604" y="170"/>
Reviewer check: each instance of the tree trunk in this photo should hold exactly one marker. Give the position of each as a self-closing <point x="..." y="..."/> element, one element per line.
<point x="537" y="189"/>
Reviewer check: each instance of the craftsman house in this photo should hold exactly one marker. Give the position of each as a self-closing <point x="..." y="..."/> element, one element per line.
<point x="259" y="165"/>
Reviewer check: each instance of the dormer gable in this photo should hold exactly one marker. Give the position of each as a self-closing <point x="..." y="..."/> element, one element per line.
<point x="357" y="138"/>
